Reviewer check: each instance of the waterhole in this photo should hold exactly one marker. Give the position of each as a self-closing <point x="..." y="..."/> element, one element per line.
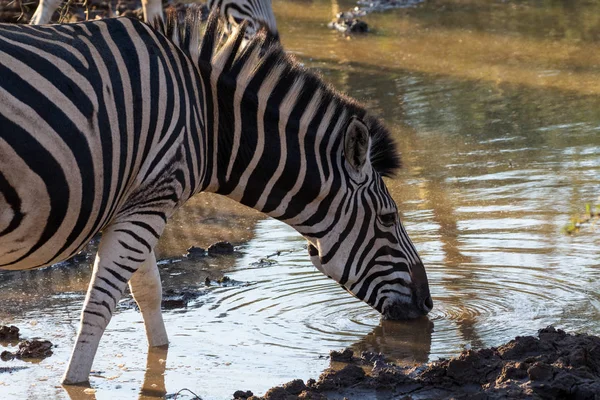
<point x="495" y="109"/>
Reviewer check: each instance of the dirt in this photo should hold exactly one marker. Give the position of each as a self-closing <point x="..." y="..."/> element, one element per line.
<point x="552" y="365"/>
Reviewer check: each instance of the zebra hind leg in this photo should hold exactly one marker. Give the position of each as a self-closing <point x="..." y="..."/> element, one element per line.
<point x="146" y="288"/>
<point x="124" y="248"/>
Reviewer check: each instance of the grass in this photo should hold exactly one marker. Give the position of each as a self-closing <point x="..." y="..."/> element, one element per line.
<point x="589" y="218"/>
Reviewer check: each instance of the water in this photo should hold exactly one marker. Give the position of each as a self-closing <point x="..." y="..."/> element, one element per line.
<point x="495" y="108"/>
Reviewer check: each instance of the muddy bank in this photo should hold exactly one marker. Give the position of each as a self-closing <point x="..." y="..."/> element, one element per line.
<point x="21" y="11"/>
<point x="552" y="365"/>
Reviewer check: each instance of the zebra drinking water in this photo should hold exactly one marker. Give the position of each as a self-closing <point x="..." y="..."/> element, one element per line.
<point x="111" y="125"/>
<point x="258" y="13"/>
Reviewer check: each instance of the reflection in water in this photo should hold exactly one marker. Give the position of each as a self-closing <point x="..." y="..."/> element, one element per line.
<point x="154" y="377"/>
<point x="153" y="386"/>
<point x="499" y="126"/>
<point x="404" y="342"/>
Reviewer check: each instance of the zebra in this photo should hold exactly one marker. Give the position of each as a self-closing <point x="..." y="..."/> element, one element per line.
<point x="258" y="13"/>
<point x="111" y="125"/>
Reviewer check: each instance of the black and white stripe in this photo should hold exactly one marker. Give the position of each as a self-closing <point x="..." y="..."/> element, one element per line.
<point x="112" y="125"/>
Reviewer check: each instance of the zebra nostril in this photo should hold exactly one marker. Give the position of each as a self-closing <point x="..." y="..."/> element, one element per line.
<point x="428" y="303"/>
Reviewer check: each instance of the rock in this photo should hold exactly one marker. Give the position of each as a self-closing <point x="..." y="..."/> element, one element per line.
<point x="279" y="393"/>
<point x="331" y="379"/>
<point x="6" y="355"/>
<point x="343" y="356"/>
<point x="9" y="332"/>
<point x="348" y="25"/>
<point x="220" y="248"/>
<point x="310" y="395"/>
<point x="195" y="252"/>
<point x="175" y="298"/>
<point x="370" y="358"/>
<point x="540" y="372"/>
<point x="29" y="349"/>
<point x="296" y="386"/>
<point x="518" y="347"/>
<point x="241" y="394"/>
<point x="512" y="370"/>
<point x="34" y="349"/>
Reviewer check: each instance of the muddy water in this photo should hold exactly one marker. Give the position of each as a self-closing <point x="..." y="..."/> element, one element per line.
<point x="496" y="108"/>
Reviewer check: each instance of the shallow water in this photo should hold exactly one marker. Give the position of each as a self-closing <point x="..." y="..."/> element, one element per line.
<point x="495" y="108"/>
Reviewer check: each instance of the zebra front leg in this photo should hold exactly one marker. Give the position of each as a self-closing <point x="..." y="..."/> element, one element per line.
<point x="43" y="13"/>
<point x="152" y="10"/>
<point x="146" y="288"/>
<point x="123" y="248"/>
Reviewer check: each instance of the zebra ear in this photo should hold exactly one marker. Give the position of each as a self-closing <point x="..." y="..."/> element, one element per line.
<point x="356" y="143"/>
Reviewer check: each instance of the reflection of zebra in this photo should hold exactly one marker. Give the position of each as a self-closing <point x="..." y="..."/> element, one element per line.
<point x="111" y="126"/>
<point x="258" y="13"/>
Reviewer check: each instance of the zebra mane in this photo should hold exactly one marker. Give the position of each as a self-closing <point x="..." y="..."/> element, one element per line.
<point x="217" y="49"/>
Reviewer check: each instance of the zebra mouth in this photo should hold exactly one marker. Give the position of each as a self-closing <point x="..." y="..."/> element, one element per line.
<point x="397" y="311"/>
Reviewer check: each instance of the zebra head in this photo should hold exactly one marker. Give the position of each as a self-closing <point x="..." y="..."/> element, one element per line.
<point x="360" y="241"/>
<point x="258" y="15"/>
<point x="292" y="147"/>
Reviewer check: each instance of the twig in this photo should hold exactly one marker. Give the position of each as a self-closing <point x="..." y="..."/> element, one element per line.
<point x="177" y="394"/>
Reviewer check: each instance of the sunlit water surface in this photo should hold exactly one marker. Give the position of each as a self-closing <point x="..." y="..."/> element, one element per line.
<point x="495" y="108"/>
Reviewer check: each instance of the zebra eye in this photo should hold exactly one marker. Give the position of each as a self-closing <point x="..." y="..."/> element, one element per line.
<point x="388" y="219"/>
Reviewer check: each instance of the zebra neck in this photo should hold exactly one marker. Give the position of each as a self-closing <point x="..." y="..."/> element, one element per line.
<point x="276" y="151"/>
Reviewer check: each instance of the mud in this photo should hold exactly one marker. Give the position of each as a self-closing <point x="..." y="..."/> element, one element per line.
<point x="8" y="333"/>
<point x="220" y="248"/>
<point x="215" y="249"/>
<point x="29" y="349"/>
<point x="552" y="365"/>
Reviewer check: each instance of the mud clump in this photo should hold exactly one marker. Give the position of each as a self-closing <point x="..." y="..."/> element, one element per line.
<point x="29" y="349"/>
<point x="347" y="24"/>
<point x="174" y="299"/>
<point x="195" y="252"/>
<point x="552" y="365"/>
<point x="555" y="364"/>
<point x="242" y="394"/>
<point x="332" y="379"/>
<point x="294" y="390"/>
<point x="9" y="332"/>
<point x="220" y="248"/>
<point x="341" y="356"/>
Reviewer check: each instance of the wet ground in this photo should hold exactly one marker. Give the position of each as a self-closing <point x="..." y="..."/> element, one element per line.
<point x="495" y="108"/>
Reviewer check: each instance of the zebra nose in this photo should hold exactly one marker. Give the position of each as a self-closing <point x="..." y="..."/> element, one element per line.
<point x="427" y="304"/>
